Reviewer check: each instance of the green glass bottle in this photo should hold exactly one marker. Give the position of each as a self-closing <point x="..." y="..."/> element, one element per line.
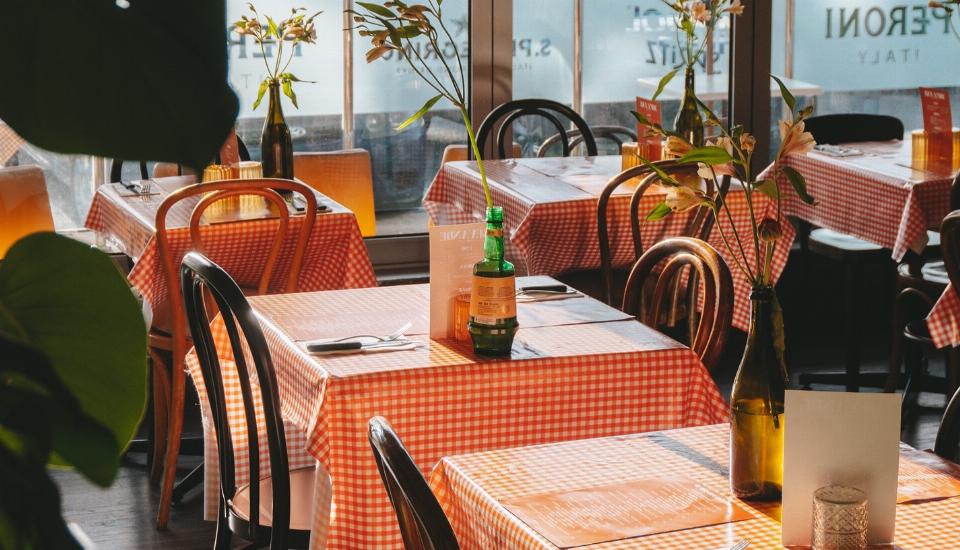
<point x="276" y="145"/>
<point x="493" y="299"/>
<point x="757" y="419"/>
<point x="689" y="123"/>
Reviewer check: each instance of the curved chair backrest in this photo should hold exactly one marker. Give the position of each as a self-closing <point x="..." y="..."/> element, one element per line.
<point x="666" y="261"/>
<point x="948" y="436"/>
<point x="423" y="524"/>
<point x="617" y="134"/>
<point x="698" y="226"/>
<point x="545" y="108"/>
<point x="955" y="193"/>
<point x="852" y="127"/>
<point x="212" y="192"/>
<point x="196" y="274"/>
<point x="24" y="204"/>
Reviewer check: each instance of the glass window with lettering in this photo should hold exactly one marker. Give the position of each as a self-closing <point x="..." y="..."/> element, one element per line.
<point x="846" y="56"/>
<point x="629" y="46"/>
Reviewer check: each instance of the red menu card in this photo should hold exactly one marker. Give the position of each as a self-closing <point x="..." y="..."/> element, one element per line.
<point x="648" y="143"/>
<point x="937" y="123"/>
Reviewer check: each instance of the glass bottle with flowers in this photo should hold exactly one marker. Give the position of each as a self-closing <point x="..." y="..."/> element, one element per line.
<point x="757" y="423"/>
<point x="394" y="26"/>
<point x="276" y="145"/>
<point x="695" y="22"/>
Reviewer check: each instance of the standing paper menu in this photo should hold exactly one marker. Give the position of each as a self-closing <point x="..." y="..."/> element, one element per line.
<point x="453" y="251"/>
<point x="837" y="438"/>
<point x="937" y="123"/>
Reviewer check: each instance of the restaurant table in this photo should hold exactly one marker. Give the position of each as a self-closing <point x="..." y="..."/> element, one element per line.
<point x="336" y="256"/>
<point x="876" y="196"/>
<point x="472" y="489"/>
<point x="550" y="215"/>
<point x="578" y="369"/>
<point x="943" y="321"/>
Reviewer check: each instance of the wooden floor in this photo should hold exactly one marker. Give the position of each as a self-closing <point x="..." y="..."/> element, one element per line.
<point x="122" y="516"/>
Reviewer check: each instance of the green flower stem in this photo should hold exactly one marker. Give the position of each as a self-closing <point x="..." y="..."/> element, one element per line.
<point x="722" y="204"/>
<point x="476" y="154"/>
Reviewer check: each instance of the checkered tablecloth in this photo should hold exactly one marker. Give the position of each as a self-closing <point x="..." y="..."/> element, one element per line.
<point x="550" y="216"/>
<point x="568" y="378"/>
<point x="943" y="321"/>
<point x="336" y="256"/>
<point x="471" y="487"/>
<point x="876" y="196"/>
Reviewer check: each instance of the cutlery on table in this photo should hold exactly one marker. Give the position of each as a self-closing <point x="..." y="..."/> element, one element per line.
<point x="542" y="293"/>
<point x="740" y="545"/>
<point x="350" y="343"/>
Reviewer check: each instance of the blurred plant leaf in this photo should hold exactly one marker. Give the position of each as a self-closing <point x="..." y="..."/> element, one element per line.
<point x="288" y="91"/>
<point x="799" y="184"/>
<point x="377" y="9"/>
<point x="145" y="82"/>
<point x="665" y="178"/>
<point x="260" y="91"/>
<point x="663" y="83"/>
<point x="659" y="211"/>
<point x="70" y="302"/>
<point x="422" y="111"/>
<point x="769" y="188"/>
<point x="785" y="93"/>
<point x="710" y="154"/>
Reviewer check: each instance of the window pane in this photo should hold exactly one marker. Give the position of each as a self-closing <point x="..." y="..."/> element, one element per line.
<point x="851" y="57"/>
<point x="316" y="125"/>
<point x="386" y="92"/>
<point x="627" y="48"/>
<point x="543" y="49"/>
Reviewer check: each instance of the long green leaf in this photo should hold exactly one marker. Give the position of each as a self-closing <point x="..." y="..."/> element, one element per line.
<point x="260" y="91"/>
<point x="710" y="154"/>
<point x="377" y="9"/>
<point x="664" y="177"/>
<point x="769" y="188"/>
<point x="288" y="91"/>
<point x="787" y="96"/>
<point x="799" y="184"/>
<point x="419" y="114"/>
<point x="661" y="210"/>
<point x="663" y="83"/>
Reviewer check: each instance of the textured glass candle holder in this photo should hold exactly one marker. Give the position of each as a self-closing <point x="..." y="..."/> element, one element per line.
<point x="839" y="518"/>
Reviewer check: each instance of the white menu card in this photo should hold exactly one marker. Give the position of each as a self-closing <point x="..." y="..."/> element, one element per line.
<point x="837" y="438"/>
<point x="453" y="251"/>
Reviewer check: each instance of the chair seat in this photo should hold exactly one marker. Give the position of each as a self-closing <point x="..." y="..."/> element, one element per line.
<point x="918" y="331"/>
<point x="932" y="279"/>
<point x="828" y="242"/>
<point x="301" y="500"/>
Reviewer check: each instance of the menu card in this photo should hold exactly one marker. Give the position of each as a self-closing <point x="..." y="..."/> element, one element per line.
<point x="925" y="476"/>
<point x="937" y="123"/>
<point x="453" y="251"/>
<point x="648" y="143"/>
<point x="837" y="438"/>
<point x="624" y="510"/>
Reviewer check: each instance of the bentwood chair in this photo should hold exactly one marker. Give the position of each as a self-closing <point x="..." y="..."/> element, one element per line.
<point x="346" y="177"/>
<point x="616" y="134"/>
<point x="168" y="337"/>
<point x="854" y="254"/>
<point x="423" y="525"/>
<point x="502" y="117"/>
<point x="659" y="268"/>
<point x="275" y="508"/>
<point x="914" y="337"/>
<point x="948" y="436"/>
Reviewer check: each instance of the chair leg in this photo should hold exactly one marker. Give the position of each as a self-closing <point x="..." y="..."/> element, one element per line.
<point x="852" y="330"/>
<point x="897" y="343"/>
<point x="161" y="412"/>
<point x="222" y="540"/>
<point x="912" y="361"/>
<point x="174" y="431"/>
<point x="953" y="371"/>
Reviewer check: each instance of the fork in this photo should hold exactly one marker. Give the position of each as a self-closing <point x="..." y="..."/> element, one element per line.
<point x="740" y="545"/>
<point x="380" y="339"/>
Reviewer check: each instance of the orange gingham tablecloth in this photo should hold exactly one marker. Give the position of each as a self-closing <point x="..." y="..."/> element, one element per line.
<point x="470" y="488"/>
<point x="943" y="321"/>
<point x="336" y="256"/>
<point x="875" y="197"/>
<point x="550" y="216"/>
<point x="573" y="381"/>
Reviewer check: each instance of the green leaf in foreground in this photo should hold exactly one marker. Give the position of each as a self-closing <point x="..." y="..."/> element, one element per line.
<point x="787" y="96"/>
<point x="799" y="184"/>
<point x="710" y="154"/>
<point x="422" y="111"/>
<point x="664" y="177"/>
<point x="69" y="301"/>
<point x="663" y="84"/>
<point x="260" y="91"/>
<point x="769" y="188"/>
<point x="288" y="91"/>
<point x="661" y="210"/>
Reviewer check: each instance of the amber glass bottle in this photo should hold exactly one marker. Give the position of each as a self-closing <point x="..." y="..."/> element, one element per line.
<point x="689" y="122"/>
<point x="276" y="145"/>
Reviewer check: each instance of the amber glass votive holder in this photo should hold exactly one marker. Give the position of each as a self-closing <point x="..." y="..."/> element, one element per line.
<point x="461" y="315"/>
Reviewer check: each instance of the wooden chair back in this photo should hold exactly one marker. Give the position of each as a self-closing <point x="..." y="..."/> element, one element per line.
<point x="503" y="116"/>
<point x="198" y="275"/>
<point x="699" y="224"/>
<point x="617" y="134"/>
<point x="853" y="127"/>
<point x="948" y="435"/>
<point x="660" y="267"/>
<point x="24" y="204"/>
<point x="345" y="176"/>
<point x="423" y="524"/>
